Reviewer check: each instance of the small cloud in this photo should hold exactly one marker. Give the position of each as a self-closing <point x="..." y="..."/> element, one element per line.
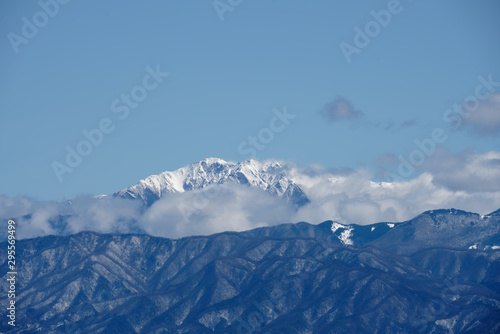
<point x="483" y="119"/>
<point x="340" y="109"/>
<point x="390" y="126"/>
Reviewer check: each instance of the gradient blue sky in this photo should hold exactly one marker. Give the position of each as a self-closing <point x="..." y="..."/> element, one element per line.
<point x="225" y="79"/>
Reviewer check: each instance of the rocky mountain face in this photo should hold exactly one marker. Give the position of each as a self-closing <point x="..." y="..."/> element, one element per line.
<point x="268" y="176"/>
<point x="437" y="273"/>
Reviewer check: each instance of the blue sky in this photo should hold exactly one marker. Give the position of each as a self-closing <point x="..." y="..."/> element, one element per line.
<point x="225" y="79"/>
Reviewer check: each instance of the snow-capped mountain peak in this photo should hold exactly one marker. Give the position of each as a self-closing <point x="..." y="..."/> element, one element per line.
<point x="269" y="176"/>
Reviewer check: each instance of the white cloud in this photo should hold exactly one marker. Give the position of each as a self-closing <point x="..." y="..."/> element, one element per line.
<point x="38" y="224"/>
<point x="39" y="218"/>
<point x="33" y="217"/>
<point x="105" y="215"/>
<point x="357" y="199"/>
<point x="467" y="181"/>
<point x="217" y="208"/>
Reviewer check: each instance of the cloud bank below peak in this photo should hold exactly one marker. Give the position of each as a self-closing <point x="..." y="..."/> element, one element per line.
<point x="467" y="181"/>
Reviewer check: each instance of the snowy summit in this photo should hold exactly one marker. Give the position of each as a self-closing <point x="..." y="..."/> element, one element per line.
<point x="269" y="176"/>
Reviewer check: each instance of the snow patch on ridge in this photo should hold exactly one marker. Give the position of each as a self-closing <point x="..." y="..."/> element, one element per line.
<point x="345" y="237"/>
<point x="346" y="234"/>
<point x="336" y="226"/>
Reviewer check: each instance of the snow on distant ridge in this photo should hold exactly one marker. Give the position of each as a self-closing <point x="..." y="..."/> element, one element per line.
<point x="345" y="236"/>
<point x="336" y="226"/>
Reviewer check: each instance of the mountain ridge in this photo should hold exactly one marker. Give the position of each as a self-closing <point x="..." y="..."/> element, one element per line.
<point x="289" y="278"/>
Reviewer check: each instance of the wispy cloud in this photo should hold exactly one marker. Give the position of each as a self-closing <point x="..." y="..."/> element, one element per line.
<point x="408" y="123"/>
<point x="342" y="110"/>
